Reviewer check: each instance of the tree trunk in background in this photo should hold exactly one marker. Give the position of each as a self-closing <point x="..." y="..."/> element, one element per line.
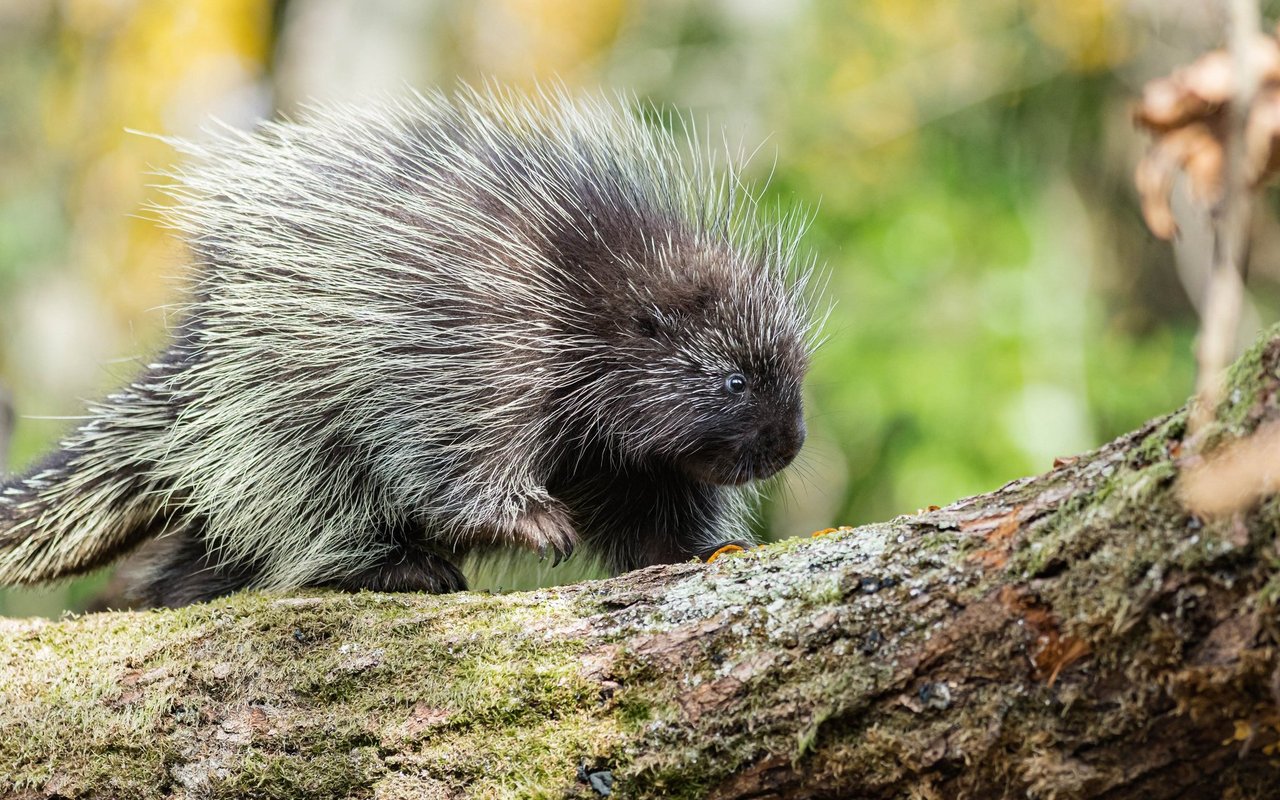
<point x="1073" y="635"/>
<point x="6" y="429"/>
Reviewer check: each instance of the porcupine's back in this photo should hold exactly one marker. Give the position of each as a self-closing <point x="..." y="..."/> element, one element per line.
<point x="384" y="302"/>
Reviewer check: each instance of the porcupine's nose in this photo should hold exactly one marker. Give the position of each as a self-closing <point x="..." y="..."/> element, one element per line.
<point x="780" y="442"/>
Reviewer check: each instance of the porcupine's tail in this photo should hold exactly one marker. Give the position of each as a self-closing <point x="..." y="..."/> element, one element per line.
<point x="95" y="497"/>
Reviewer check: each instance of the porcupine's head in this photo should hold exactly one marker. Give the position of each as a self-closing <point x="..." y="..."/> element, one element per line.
<point x="721" y="354"/>
<point x="707" y="332"/>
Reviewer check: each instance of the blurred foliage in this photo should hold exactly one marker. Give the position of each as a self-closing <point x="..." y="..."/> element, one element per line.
<point x="997" y="299"/>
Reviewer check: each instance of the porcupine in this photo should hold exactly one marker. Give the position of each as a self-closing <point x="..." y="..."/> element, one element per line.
<point x="439" y="326"/>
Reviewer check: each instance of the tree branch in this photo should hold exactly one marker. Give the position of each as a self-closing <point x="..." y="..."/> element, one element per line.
<point x="1075" y="634"/>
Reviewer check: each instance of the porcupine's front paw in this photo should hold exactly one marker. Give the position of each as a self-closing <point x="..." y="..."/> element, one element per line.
<point x="545" y="527"/>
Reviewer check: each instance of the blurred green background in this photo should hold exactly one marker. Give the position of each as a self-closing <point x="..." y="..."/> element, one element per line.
<point x="999" y="302"/>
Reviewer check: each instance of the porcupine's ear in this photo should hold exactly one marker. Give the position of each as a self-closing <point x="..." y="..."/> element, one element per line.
<point x="702" y="298"/>
<point x="647" y="324"/>
<point x="666" y="318"/>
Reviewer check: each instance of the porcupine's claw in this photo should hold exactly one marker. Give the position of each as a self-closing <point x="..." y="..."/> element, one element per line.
<point x="563" y="555"/>
<point x="558" y="556"/>
<point x="547" y="529"/>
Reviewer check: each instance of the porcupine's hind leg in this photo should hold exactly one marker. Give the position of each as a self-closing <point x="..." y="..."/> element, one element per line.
<point x="406" y="571"/>
<point x="180" y="570"/>
<point x="409" y="566"/>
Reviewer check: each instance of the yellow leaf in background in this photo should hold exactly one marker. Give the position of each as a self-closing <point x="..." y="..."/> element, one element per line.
<point x="1087" y="32"/>
<point x="157" y="67"/>
<point x="538" y="39"/>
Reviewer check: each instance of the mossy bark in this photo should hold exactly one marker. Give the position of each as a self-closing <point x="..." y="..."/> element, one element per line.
<point x="1077" y="634"/>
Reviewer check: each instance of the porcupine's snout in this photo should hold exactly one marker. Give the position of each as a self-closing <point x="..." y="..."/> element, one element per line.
<point x="778" y="444"/>
<point x="752" y="454"/>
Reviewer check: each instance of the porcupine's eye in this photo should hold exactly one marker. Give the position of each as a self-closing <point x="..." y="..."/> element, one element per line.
<point x="735" y="383"/>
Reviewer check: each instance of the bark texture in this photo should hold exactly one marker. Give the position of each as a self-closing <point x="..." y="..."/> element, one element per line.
<point x="1078" y="634"/>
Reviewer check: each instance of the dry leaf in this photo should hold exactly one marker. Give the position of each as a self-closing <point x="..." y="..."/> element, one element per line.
<point x="1186" y="114"/>
<point x="1235" y="477"/>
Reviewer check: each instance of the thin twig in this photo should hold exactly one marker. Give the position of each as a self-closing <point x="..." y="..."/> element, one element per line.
<point x="1221" y="320"/>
